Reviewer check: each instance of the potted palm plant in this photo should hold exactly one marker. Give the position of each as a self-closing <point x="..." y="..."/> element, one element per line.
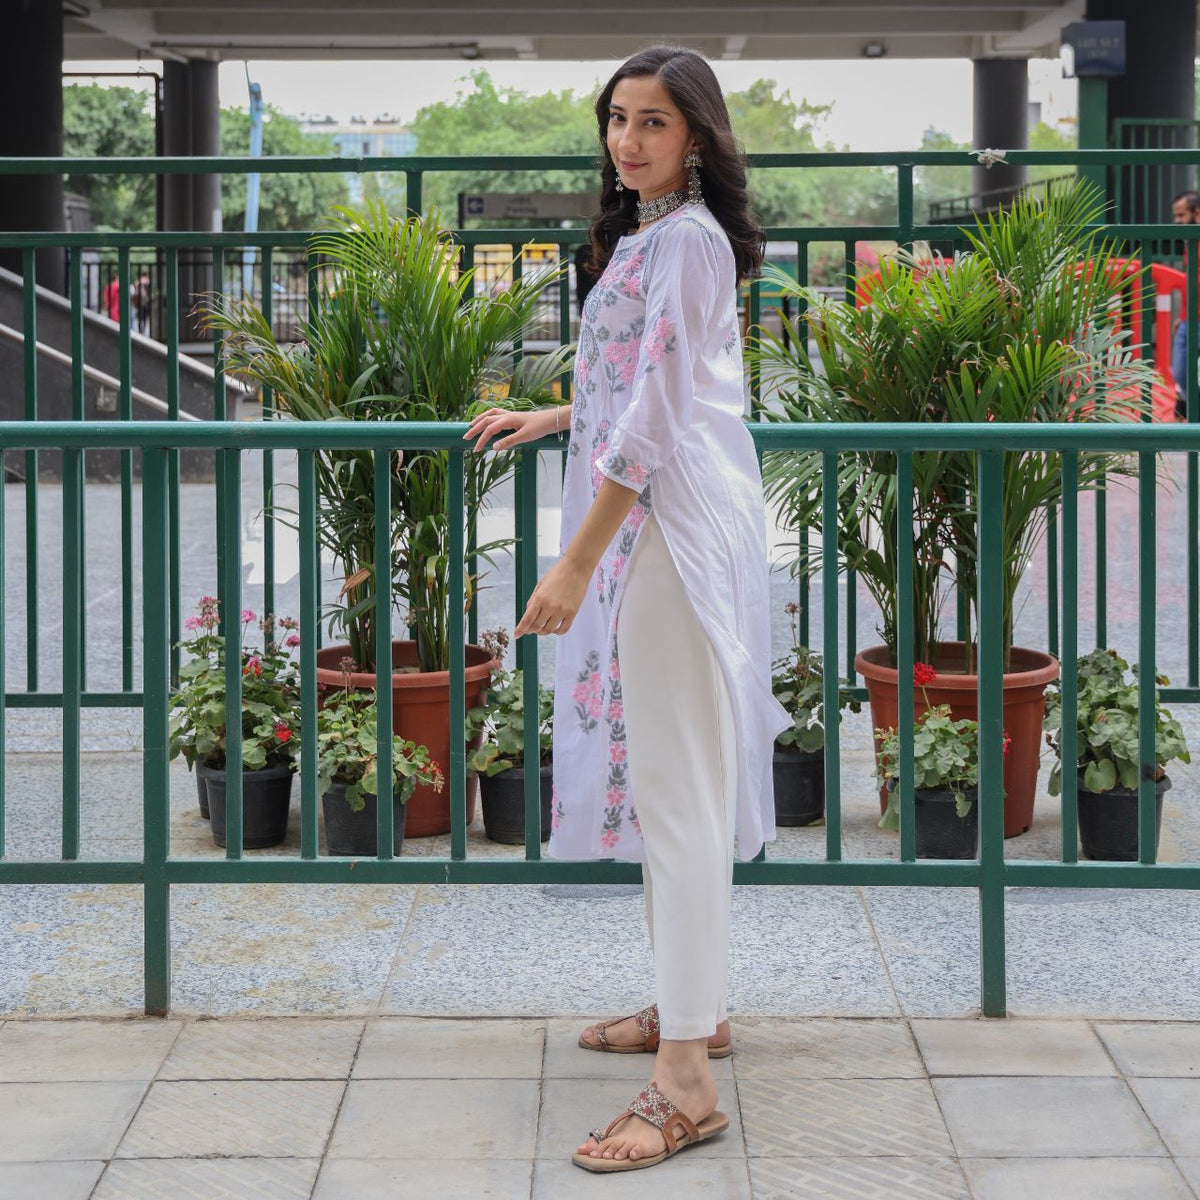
<point x="397" y="334"/>
<point x="270" y="722"/>
<point x="499" y="760"/>
<point x="1106" y="754"/>
<point x="1023" y="327"/>
<point x="798" y="682"/>
<point x="348" y="773"/>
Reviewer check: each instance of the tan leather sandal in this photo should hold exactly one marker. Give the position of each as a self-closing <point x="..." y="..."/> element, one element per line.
<point x="647" y="1022"/>
<point x="677" y="1130"/>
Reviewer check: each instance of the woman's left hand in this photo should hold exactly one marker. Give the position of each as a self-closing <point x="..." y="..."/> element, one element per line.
<point x="555" y="600"/>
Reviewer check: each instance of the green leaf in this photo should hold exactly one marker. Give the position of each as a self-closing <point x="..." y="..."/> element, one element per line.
<point x="1100" y="776"/>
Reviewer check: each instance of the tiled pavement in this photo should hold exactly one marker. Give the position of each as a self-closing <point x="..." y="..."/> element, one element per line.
<point x="353" y="1109"/>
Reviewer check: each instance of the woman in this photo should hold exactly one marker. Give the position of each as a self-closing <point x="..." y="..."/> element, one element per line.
<point x="664" y="718"/>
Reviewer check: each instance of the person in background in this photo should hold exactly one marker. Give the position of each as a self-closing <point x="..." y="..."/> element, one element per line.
<point x="1185" y="210"/>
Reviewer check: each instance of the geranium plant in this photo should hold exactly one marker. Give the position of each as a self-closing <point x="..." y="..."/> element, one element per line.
<point x="270" y="693"/>
<point x="945" y="754"/>
<point x="1106" y="740"/>
<point x="501" y="718"/>
<point x="798" y="682"/>
<point x="348" y="749"/>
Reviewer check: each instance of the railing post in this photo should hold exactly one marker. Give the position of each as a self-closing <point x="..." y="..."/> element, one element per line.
<point x="829" y="619"/>
<point x="1147" y="689"/>
<point x="385" y="821"/>
<point x="457" y="780"/>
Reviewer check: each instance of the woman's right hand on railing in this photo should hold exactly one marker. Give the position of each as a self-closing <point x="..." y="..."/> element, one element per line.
<point x="526" y="426"/>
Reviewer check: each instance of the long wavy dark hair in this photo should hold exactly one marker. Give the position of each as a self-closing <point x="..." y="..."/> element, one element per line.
<point x="694" y="90"/>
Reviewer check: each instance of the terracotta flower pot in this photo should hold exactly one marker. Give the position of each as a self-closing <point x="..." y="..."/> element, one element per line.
<point x="420" y="713"/>
<point x="1024" y="686"/>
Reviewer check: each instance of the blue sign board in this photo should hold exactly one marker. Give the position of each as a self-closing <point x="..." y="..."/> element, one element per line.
<point x="1091" y="48"/>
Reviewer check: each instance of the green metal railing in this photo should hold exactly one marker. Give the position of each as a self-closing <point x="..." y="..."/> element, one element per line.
<point x="155" y="447"/>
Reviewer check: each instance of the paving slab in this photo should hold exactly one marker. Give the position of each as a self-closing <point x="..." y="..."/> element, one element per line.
<point x="212" y="1179"/>
<point x="566" y="1059"/>
<point x="420" y="1179"/>
<point x="1075" y="1179"/>
<point x="410" y="1048"/>
<point x="825" y="1049"/>
<point x="49" y="1051"/>
<point x="573" y="1107"/>
<point x="270" y="1048"/>
<point x="689" y="1175"/>
<point x="1190" y="1169"/>
<point x="57" y="1180"/>
<point x="48" y="1122"/>
<point x="1045" y="1118"/>
<point x="223" y="1118"/>
<point x="1153" y="1047"/>
<point x="850" y="1178"/>
<point x="1174" y="1107"/>
<point x="1011" y="1047"/>
<point x="406" y="1118"/>
<point x="823" y="1118"/>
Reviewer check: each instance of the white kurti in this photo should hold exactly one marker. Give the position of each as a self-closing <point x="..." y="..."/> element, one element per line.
<point x="659" y="399"/>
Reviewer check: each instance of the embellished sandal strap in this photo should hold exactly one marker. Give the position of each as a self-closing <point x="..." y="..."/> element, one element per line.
<point x="647" y="1022"/>
<point x="651" y="1105"/>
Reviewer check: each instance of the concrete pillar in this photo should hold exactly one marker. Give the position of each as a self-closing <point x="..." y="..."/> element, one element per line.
<point x="31" y="56"/>
<point x="1001" y="122"/>
<point x="1159" y="81"/>
<point x="176" y="142"/>
<point x="206" y="142"/>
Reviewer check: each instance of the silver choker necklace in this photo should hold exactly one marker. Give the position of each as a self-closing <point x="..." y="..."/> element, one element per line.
<point x="654" y="210"/>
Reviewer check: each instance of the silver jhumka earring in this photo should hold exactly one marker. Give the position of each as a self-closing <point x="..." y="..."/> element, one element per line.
<point x="692" y="160"/>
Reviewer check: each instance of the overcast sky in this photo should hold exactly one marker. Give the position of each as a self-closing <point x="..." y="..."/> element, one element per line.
<point x="881" y="104"/>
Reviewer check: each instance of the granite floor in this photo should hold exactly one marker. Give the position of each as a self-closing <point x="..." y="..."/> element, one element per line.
<point x="337" y="1108"/>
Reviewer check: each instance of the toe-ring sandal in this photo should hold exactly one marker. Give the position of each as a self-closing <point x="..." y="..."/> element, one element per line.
<point x="647" y="1022"/>
<point x="677" y="1130"/>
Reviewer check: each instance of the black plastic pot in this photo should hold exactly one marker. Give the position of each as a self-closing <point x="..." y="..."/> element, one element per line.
<point x="799" y="786"/>
<point x="266" y="802"/>
<point x="503" y="797"/>
<point x="202" y="787"/>
<point x="1108" y="821"/>
<point x="941" y="832"/>
<point x="356" y="834"/>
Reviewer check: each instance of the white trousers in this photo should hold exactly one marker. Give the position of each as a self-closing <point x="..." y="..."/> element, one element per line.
<point x="682" y="763"/>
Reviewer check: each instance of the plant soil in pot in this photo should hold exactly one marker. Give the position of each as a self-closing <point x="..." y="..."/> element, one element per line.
<point x="1024" y="686"/>
<point x="350" y="833"/>
<point x="1108" y="821"/>
<point x="799" y="786"/>
<point x="941" y="832"/>
<point x="266" y="802"/>
<point x="421" y="714"/>
<point x="503" y="796"/>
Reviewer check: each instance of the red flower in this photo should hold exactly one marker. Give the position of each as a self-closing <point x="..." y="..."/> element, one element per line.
<point x="1007" y="743"/>
<point x="253" y="666"/>
<point x="923" y="673"/>
<point x="282" y="732"/>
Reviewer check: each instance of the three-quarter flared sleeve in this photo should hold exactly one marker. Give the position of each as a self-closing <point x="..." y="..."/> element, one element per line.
<point x="682" y="281"/>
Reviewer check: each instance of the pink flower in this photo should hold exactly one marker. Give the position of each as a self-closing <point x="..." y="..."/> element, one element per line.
<point x="616" y="711"/>
<point x="614" y="668"/>
<point x="292" y="639"/>
<point x="617" y="752"/>
<point x="580" y="693"/>
<point x="594" y="706"/>
<point x="660" y="340"/>
<point x="618" y="565"/>
<point x="637" y="516"/>
<point x="608" y="839"/>
<point x="248" y="614"/>
<point x="193" y="623"/>
<point x="253" y="666"/>
<point x="615" y="797"/>
<point x="636" y="474"/>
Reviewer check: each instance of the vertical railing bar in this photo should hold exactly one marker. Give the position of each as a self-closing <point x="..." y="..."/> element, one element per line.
<point x="529" y="670"/>
<point x="310" y="766"/>
<point x="312" y="278"/>
<point x="413" y="181"/>
<point x="268" y="455"/>
<point x="467" y="264"/>
<point x="1101" y="556"/>
<point x="156" y="783"/>
<point x="3" y="664"/>
<point x="220" y="413"/>
<point x="564" y="314"/>
<point x="518" y="271"/>
<point x="904" y="203"/>
<point x="174" y="578"/>
<point x="829" y="599"/>
<point x="1070" y="655"/>
<point x="851" y="264"/>
<point x="1052" y="631"/>
<point x="456" y="508"/>
<point x="385" y="818"/>
<point x="753" y="321"/>
<point x="905" y="697"/>
<point x="78" y="413"/>
<point x="125" y="413"/>
<point x="29" y="297"/>
<point x="1147" y="684"/>
<point x="991" y="728"/>
<point x="231" y="611"/>
<point x="805" y="549"/>
<point x="521" y="592"/>
<point x="72" y="647"/>
<point x="1192" y="415"/>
